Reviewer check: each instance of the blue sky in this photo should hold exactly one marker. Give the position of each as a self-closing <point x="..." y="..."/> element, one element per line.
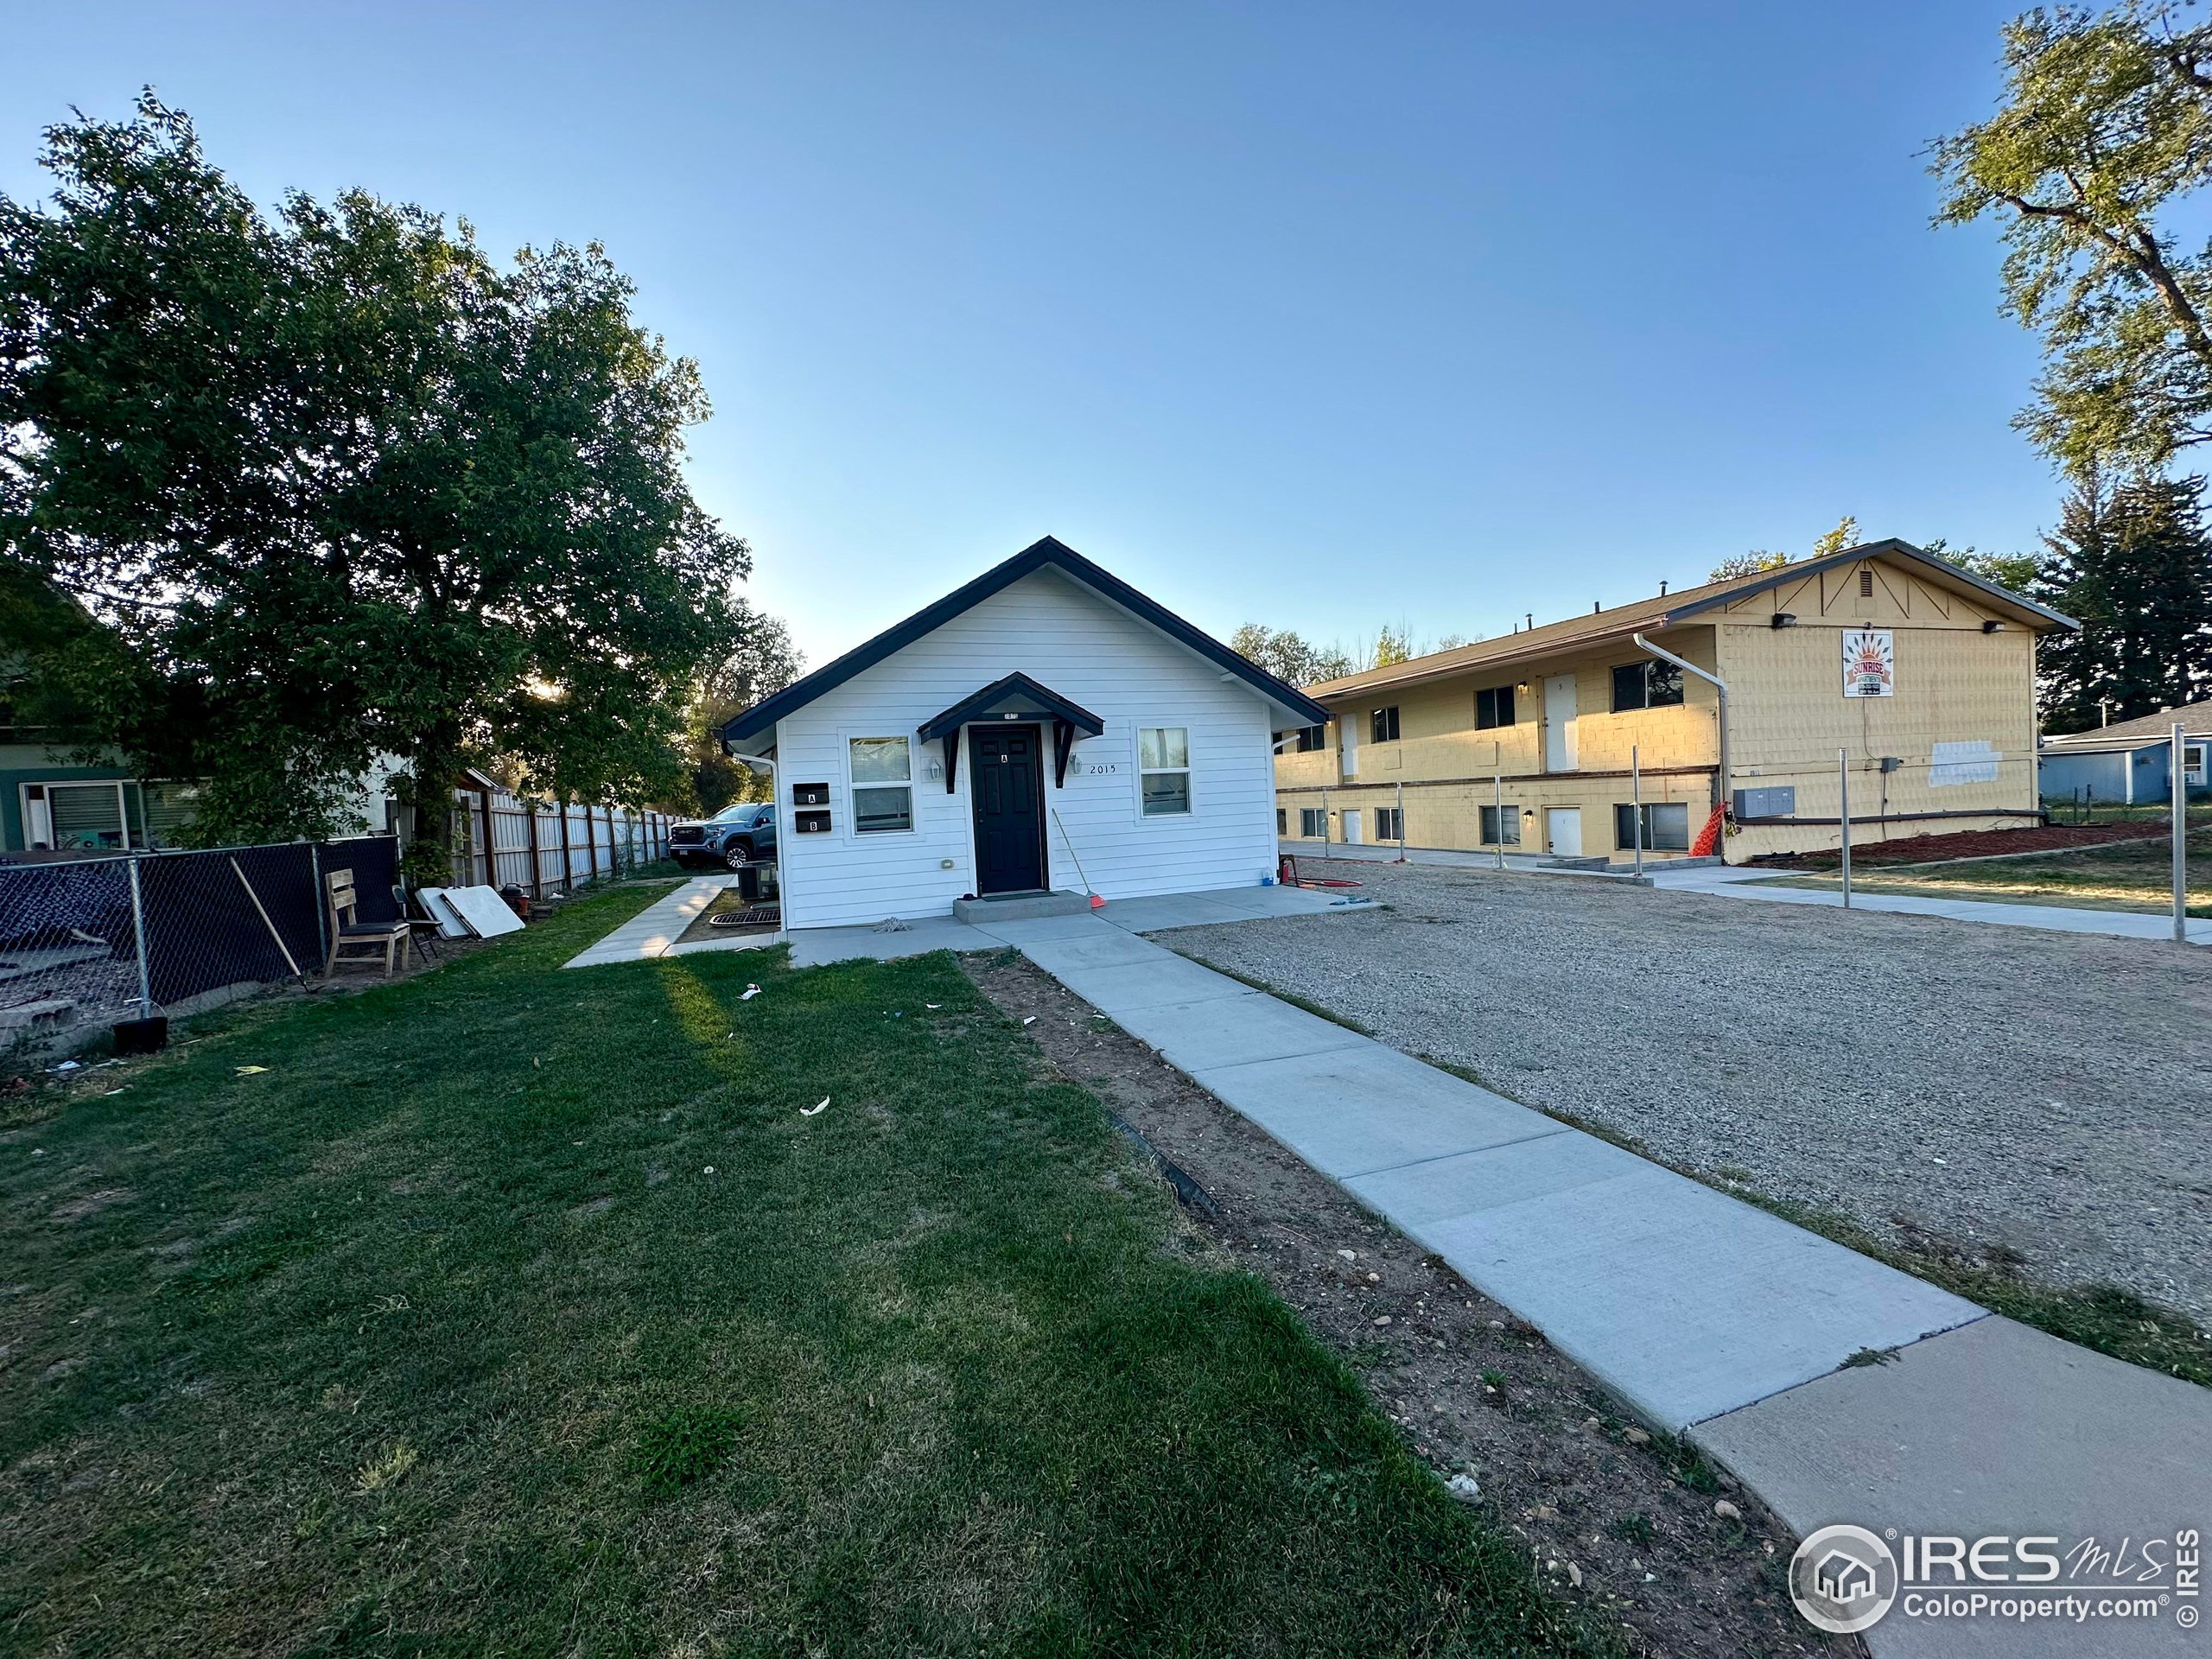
<point x="1329" y="316"/>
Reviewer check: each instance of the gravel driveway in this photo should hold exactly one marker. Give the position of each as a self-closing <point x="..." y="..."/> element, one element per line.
<point x="1989" y="1087"/>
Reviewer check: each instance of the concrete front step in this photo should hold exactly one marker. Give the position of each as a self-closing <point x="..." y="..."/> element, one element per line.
<point x="981" y="912"/>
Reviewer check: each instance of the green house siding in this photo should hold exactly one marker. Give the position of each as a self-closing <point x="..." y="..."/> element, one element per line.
<point x="28" y="763"/>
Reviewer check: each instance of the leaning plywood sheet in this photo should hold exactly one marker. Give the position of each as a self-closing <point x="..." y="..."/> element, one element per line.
<point x="435" y="905"/>
<point x="486" y="913"/>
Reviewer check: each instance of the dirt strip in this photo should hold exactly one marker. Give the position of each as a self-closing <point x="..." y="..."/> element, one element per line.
<point x="1637" y="1526"/>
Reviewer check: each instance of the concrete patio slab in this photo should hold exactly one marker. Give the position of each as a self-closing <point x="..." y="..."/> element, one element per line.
<point x="1126" y="987"/>
<point x="1684" y="1300"/>
<point x="817" y="947"/>
<point x="1035" y="930"/>
<point x="1990" y="1429"/>
<point x="1195" y="1037"/>
<point x="1350" y="1110"/>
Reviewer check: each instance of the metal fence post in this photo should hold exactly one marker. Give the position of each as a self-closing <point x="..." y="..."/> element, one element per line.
<point x="138" y="936"/>
<point x="1635" y="799"/>
<point x="2178" y="790"/>
<point x="1499" y="780"/>
<point x="1401" y="823"/>
<point x="322" y="921"/>
<point x="1843" y="816"/>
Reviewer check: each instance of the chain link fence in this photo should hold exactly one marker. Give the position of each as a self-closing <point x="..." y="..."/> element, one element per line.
<point x="85" y="944"/>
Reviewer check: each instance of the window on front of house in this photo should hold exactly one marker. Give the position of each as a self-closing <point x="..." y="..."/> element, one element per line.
<point x="1509" y="816"/>
<point x="1666" y="826"/>
<point x="1313" y="823"/>
<point x="1382" y="725"/>
<point x="1164" y="769"/>
<point x="1493" y="707"/>
<point x="1389" y="823"/>
<point x="883" y="785"/>
<point x="1646" y="685"/>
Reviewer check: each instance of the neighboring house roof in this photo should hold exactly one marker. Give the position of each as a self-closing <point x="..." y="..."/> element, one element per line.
<point x="1667" y="610"/>
<point x="2194" y="718"/>
<point x="1036" y="556"/>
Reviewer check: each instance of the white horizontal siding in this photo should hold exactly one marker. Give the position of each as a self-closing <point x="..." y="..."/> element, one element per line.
<point x="1125" y="672"/>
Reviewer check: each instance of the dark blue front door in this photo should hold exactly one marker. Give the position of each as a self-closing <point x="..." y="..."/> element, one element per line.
<point x="1007" y="768"/>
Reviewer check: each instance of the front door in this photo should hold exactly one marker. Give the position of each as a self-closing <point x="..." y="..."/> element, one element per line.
<point x="1563" y="829"/>
<point x="1352" y="828"/>
<point x="1559" y="723"/>
<point x="1007" y="782"/>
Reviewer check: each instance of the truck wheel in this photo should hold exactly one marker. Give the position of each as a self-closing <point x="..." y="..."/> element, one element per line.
<point x="739" y="855"/>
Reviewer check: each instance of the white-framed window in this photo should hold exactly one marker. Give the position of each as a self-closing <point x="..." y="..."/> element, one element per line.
<point x="1507" y="817"/>
<point x="882" y="773"/>
<point x="1389" y="823"/>
<point x="1313" y="823"/>
<point x="1164" y="769"/>
<point x="2192" y="764"/>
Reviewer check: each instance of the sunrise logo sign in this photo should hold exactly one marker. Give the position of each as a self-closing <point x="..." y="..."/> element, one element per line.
<point x="1869" y="663"/>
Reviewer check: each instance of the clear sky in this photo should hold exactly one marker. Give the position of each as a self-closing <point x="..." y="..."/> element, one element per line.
<point x="1324" y="315"/>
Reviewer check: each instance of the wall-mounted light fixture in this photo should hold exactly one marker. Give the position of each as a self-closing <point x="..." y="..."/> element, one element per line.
<point x="1784" y="620"/>
<point x="1992" y="625"/>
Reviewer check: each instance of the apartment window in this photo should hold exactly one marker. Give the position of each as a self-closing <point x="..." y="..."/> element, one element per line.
<point x="1666" y="826"/>
<point x="1164" y="769"/>
<point x="1282" y="820"/>
<point x="1493" y="707"/>
<point x="1646" y="685"/>
<point x="1312" y="739"/>
<point x="1313" y="822"/>
<point x="1382" y="726"/>
<point x="1509" y="816"/>
<point x="883" y="785"/>
<point x="1389" y="823"/>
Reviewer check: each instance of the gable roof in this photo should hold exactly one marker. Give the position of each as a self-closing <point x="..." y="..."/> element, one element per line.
<point x="1015" y="688"/>
<point x="2194" y="720"/>
<point x="1667" y="610"/>
<point x="1049" y="551"/>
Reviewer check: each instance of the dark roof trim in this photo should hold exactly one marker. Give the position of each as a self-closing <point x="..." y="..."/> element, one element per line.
<point x="998" y="691"/>
<point x="1866" y="551"/>
<point x="1034" y="557"/>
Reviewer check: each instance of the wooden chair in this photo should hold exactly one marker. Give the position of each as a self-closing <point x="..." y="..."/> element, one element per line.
<point x="349" y="932"/>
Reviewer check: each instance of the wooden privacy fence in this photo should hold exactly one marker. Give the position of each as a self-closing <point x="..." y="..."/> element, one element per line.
<point x="541" y="846"/>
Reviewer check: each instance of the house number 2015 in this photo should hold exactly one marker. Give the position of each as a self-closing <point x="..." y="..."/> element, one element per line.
<point x="1100" y="769"/>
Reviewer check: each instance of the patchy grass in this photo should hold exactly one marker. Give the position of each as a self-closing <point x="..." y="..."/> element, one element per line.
<point x="2135" y="875"/>
<point x="516" y="1310"/>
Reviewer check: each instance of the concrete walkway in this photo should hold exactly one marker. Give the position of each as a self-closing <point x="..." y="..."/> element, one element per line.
<point x="1708" y="1317"/>
<point x="654" y="931"/>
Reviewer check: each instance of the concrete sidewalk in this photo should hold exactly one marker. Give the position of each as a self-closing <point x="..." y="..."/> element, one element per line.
<point x="654" y="931"/>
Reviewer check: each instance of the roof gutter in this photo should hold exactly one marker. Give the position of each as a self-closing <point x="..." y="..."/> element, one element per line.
<point x="1723" y="780"/>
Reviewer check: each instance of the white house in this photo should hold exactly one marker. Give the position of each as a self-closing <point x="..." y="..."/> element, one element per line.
<point x="1045" y="727"/>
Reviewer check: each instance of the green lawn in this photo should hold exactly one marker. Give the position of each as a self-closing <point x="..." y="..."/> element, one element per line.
<point x="438" y="1337"/>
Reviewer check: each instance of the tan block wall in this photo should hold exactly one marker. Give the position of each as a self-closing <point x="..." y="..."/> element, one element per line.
<point x="1954" y="685"/>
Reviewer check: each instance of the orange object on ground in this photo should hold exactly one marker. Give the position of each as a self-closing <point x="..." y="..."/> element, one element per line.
<point x="1708" y="839"/>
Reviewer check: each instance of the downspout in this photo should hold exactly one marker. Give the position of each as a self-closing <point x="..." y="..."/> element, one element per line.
<point x="1721" y="787"/>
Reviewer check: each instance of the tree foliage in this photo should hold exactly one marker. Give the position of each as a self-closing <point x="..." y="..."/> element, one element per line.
<point x="764" y="662"/>
<point x="2104" y="136"/>
<point x="344" y="485"/>
<point x="2132" y="563"/>
<point x="1846" y="534"/>
<point x="1289" y="657"/>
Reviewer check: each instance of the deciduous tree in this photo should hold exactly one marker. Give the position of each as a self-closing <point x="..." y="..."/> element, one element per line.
<point x="346" y="486"/>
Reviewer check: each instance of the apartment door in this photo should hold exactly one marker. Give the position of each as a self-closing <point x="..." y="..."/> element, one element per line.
<point x="1559" y="722"/>
<point x="1563" y="829"/>
<point x="1352" y="828"/>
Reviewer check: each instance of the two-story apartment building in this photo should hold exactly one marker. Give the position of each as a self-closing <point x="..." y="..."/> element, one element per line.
<point x="1564" y="738"/>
